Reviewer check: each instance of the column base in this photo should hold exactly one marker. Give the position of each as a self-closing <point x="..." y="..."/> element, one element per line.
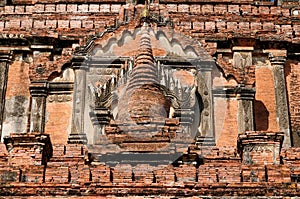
<point x="205" y="141"/>
<point x="77" y="139"/>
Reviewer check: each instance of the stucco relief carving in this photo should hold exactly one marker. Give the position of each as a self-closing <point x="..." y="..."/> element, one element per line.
<point x="205" y="127"/>
<point x="59" y="98"/>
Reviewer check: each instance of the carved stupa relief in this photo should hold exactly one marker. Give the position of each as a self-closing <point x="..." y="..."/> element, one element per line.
<point x="141" y="90"/>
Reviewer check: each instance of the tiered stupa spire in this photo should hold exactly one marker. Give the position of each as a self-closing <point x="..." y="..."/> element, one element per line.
<point x="144" y="70"/>
<point x="143" y="98"/>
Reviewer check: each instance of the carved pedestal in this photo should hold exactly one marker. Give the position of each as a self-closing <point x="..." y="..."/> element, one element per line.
<point x="37" y="148"/>
<point x="260" y="148"/>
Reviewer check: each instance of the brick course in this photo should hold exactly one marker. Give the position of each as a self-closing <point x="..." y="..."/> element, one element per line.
<point x="67" y="166"/>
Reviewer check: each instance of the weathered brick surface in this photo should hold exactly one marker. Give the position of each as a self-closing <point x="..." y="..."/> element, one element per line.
<point x="253" y="173"/>
<point x="229" y="172"/>
<point x="59" y="121"/>
<point x="9" y="174"/>
<point x="51" y="23"/>
<point x="291" y="156"/>
<point x="61" y="7"/>
<point x="100" y="173"/>
<point x="279" y="173"/>
<point x="18" y="79"/>
<point x="38" y="24"/>
<point x="122" y="173"/>
<point x="57" y="173"/>
<point x="250" y="14"/>
<point x="165" y="175"/>
<point x="63" y="23"/>
<point x="226" y="126"/>
<point x="185" y="173"/>
<point x="264" y="105"/>
<point x="143" y="173"/>
<point x="46" y="64"/>
<point x="33" y="174"/>
<point x="195" y="9"/>
<point x="207" y="174"/>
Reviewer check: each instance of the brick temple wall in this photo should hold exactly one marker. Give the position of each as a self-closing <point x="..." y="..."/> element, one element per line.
<point x="201" y="21"/>
<point x="225" y="115"/>
<point x="222" y="170"/>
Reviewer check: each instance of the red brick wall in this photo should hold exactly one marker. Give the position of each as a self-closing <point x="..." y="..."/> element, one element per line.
<point x="265" y="105"/>
<point x="58" y="123"/>
<point x="290" y="65"/>
<point x="226" y="126"/>
<point x="18" y="79"/>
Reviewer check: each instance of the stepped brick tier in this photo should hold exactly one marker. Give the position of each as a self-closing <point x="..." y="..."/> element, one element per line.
<point x="149" y="99"/>
<point x="34" y="167"/>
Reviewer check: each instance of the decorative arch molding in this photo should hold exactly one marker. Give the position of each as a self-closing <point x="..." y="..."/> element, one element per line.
<point x="101" y="44"/>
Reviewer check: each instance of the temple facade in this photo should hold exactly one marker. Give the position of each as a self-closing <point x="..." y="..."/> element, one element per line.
<point x="159" y="98"/>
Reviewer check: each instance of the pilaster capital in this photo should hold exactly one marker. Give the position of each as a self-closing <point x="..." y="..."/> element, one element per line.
<point x="277" y="57"/>
<point x="238" y="92"/>
<point x="39" y="89"/>
<point x="100" y="116"/>
<point x="5" y="55"/>
<point x="275" y="52"/>
<point x="204" y="66"/>
<point x="35" y="47"/>
<point x="79" y="62"/>
<point x="242" y="48"/>
<point x="244" y="93"/>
